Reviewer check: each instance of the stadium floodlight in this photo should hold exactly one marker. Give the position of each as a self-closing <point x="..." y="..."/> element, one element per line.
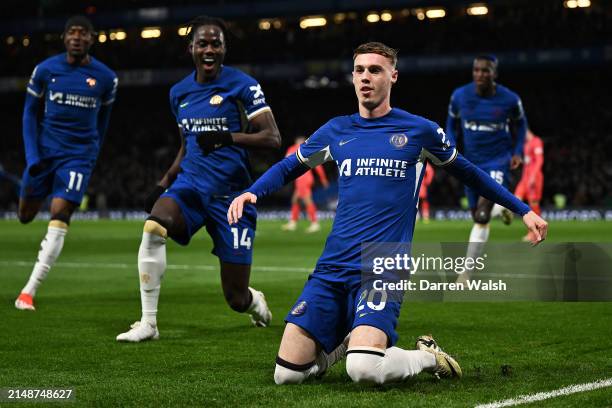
<point x="435" y="13"/>
<point x="277" y="24"/>
<point x="264" y="24"/>
<point x="102" y="37"/>
<point x="118" y="35"/>
<point x="182" y="31"/>
<point x="339" y="18"/>
<point x="576" y="3"/>
<point x="373" y="18"/>
<point x="419" y="13"/>
<point x="10" y="40"/>
<point x="150" y="32"/>
<point x="26" y="41"/>
<point x="312" y="21"/>
<point x="478" y="9"/>
<point x="386" y="16"/>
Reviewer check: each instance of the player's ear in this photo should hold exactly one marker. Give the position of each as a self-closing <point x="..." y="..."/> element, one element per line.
<point x="394" y="75"/>
<point x="190" y="47"/>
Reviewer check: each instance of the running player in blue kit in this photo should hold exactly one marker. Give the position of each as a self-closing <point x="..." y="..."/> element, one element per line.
<point x="77" y="92"/>
<point x="489" y="119"/>
<point x="381" y="153"/>
<point x="213" y="107"/>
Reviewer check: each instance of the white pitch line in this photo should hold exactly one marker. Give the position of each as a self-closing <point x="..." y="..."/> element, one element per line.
<point x="266" y="269"/>
<point x="85" y="265"/>
<point x="540" y="396"/>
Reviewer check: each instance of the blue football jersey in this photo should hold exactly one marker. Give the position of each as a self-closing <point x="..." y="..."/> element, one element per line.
<point x="227" y="103"/>
<point x="73" y="96"/>
<point x="381" y="163"/>
<point x="485" y="123"/>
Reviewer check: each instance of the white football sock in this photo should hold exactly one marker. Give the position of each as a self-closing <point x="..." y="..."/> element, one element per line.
<point x="50" y="248"/>
<point x="258" y="305"/>
<point x="284" y="375"/>
<point x="151" y="267"/>
<point x="294" y="375"/>
<point x="373" y="365"/>
<point x="496" y="211"/>
<point x="478" y="237"/>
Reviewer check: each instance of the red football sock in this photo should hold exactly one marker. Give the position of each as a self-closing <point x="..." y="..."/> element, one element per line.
<point x="311" y="209"/>
<point x="425" y="209"/>
<point x="295" y="212"/>
<point x="536" y="209"/>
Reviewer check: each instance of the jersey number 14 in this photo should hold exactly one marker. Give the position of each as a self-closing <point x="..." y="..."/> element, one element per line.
<point x="244" y="241"/>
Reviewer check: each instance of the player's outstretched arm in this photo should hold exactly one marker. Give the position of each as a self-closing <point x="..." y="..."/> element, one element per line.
<point x="277" y="176"/>
<point x="485" y="186"/>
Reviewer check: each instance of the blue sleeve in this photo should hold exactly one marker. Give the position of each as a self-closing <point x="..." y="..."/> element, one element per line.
<point x="35" y="91"/>
<point x="30" y="129"/>
<point x="110" y="94"/>
<point x="252" y="97"/>
<point x="316" y="149"/>
<point x="453" y="120"/>
<point x="107" y="101"/>
<point x="485" y="185"/>
<point x="518" y="127"/>
<point x="103" y="119"/>
<point x="438" y="147"/>
<point x="278" y="175"/>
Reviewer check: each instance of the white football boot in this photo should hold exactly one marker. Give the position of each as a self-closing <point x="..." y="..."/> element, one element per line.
<point x="139" y="331"/>
<point x="259" y="310"/>
<point x="446" y="366"/>
<point x="314" y="227"/>
<point x="290" y="226"/>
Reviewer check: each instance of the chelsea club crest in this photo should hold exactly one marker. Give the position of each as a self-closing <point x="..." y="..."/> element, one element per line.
<point x="299" y="309"/>
<point x="398" y="140"/>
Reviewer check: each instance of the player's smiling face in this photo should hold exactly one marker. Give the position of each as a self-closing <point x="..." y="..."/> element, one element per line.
<point x="77" y="40"/>
<point x="373" y="76"/>
<point x="208" y="51"/>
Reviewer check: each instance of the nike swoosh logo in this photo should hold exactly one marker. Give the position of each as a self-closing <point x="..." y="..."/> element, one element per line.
<point x="182" y="105"/>
<point x="364" y="314"/>
<point x="343" y="142"/>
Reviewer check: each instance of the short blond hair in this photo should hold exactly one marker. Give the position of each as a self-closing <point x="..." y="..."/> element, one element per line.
<point x="377" y="48"/>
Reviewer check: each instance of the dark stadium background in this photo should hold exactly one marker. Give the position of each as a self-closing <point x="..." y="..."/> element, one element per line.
<point x="555" y="57"/>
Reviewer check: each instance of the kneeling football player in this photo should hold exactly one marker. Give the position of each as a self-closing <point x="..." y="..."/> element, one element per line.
<point x="377" y="203"/>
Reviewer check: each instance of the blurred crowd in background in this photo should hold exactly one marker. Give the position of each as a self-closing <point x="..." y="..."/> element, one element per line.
<point x="566" y="103"/>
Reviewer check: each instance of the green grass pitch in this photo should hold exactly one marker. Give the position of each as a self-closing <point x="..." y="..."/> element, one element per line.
<point x="211" y="356"/>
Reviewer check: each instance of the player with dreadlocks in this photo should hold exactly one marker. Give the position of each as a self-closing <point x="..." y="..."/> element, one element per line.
<point x="213" y="107"/>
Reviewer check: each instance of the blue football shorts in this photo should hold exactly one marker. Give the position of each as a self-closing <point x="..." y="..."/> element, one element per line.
<point x="329" y="310"/>
<point x="232" y="243"/>
<point x="498" y="172"/>
<point x="65" y="178"/>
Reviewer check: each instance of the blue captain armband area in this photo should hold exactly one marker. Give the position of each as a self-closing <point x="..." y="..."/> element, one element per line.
<point x="278" y="175"/>
<point x="484" y="185"/>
